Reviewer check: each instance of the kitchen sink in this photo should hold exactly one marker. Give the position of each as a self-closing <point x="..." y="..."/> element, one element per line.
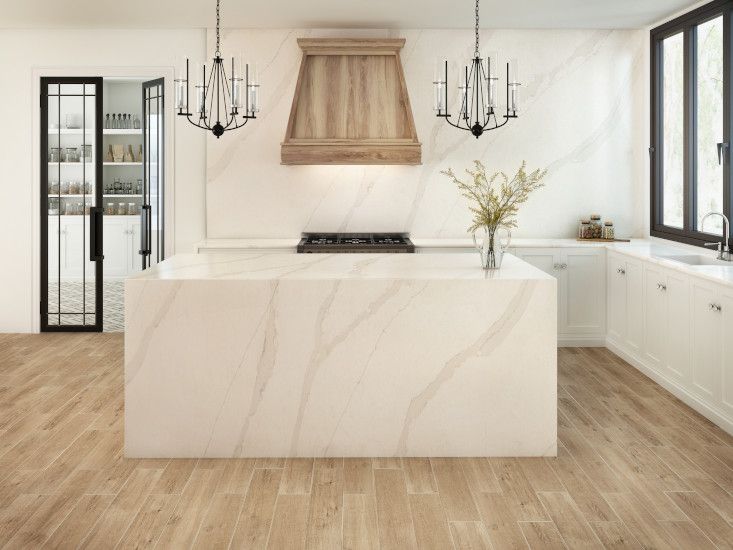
<point x="695" y="259"/>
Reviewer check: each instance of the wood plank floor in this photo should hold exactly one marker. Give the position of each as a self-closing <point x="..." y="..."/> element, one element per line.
<point x="636" y="468"/>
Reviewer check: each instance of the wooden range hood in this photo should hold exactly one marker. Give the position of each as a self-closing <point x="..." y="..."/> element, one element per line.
<point x="351" y="105"/>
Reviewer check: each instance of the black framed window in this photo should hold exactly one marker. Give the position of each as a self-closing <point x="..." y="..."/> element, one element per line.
<point x="690" y="127"/>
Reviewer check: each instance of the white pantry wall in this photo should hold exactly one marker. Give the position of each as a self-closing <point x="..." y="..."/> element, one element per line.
<point x="584" y="117"/>
<point x="25" y="52"/>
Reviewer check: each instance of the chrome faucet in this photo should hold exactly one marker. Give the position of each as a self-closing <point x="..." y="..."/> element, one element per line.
<point x="723" y="249"/>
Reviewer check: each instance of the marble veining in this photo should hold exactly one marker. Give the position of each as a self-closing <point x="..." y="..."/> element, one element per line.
<point x="339" y="355"/>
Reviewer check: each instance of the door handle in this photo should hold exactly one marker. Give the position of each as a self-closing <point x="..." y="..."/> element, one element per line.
<point x="716" y="308"/>
<point x="144" y="236"/>
<point x="721" y="146"/>
<point x="96" y="252"/>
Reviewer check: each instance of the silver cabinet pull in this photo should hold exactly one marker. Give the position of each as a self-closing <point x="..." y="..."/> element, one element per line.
<point x="716" y="308"/>
<point x="621" y="271"/>
<point x="661" y="286"/>
<point x="563" y="266"/>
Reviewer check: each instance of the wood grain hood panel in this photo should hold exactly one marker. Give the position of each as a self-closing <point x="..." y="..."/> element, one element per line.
<point x="351" y="105"/>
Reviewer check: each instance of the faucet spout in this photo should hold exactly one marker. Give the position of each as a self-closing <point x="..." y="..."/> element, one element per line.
<point x="723" y="248"/>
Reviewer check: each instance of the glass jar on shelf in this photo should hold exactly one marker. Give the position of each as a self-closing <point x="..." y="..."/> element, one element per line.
<point x="79" y="210"/>
<point x="53" y="188"/>
<point x="584" y="229"/>
<point x="110" y="209"/>
<point x="55" y="154"/>
<point x="69" y="208"/>
<point x="88" y="187"/>
<point x="64" y="188"/>
<point x="139" y="189"/>
<point x="70" y="155"/>
<point x="131" y="209"/>
<point x="121" y="209"/>
<point x="608" y="231"/>
<point x="53" y="207"/>
<point x="85" y="153"/>
<point x="596" y="229"/>
<point x="74" y="188"/>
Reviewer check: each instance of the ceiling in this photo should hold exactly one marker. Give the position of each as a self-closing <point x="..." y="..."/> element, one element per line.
<point x="506" y="14"/>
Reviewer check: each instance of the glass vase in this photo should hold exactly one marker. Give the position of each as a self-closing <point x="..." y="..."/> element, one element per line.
<point x="491" y="246"/>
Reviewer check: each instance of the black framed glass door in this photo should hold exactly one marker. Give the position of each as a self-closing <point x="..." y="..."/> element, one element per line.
<point x="71" y="195"/>
<point x="152" y="213"/>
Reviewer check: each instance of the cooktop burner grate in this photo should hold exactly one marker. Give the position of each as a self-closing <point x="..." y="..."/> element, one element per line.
<point x="355" y="242"/>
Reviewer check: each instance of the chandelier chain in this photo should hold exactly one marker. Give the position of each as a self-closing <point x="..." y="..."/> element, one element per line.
<point x="218" y="52"/>
<point x="476" y="53"/>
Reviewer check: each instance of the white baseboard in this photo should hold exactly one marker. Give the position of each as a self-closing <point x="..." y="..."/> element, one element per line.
<point x="675" y="389"/>
<point x="581" y="341"/>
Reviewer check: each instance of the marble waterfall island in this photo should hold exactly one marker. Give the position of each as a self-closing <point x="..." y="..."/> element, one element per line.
<point x="252" y="355"/>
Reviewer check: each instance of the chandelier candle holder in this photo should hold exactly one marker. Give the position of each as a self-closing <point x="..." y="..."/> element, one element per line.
<point x="477" y="92"/>
<point x="222" y="102"/>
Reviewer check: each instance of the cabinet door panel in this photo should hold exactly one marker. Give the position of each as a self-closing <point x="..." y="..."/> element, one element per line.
<point x="585" y="296"/>
<point x="634" y="306"/>
<point x="677" y="357"/>
<point x="115" y="247"/>
<point x="655" y="316"/>
<point x="133" y="253"/>
<point x="616" y="294"/>
<point x="727" y="351"/>
<point x="706" y="342"/>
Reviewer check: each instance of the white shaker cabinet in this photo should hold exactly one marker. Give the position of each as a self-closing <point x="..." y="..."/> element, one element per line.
<point x="581" y="292"/>
<point x="711" y="335"/>
<point x="666" y="341"/>
<point x="625" y="303"/>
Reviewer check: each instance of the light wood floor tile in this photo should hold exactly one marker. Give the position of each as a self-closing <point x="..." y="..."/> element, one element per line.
<point x="615" y="535"/>
<point x="290" y="522"/>
<point x="217" y="527"/>
<point x="454" y="491"/>
<point x="542" y="535"/>
<point x="358" y="476"/>
<point x="469" y="535"/>
<point x="255" y="520"/>
<point x="360" y="522"/>
<point x="575" y="530"/>
<point x="149" y="522"/>
<point x="498" y="515"/>
<point x="430" y="522"/>
<point x="419" y="475"/>
<point x="393" y="510"/>
<point x="297" y="477"/>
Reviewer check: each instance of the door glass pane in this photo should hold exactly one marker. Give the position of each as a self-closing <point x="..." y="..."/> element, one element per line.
<point x="153" y="167"/>
<point x="71" y="290"/>
<point x="672" y="130"/>
<point x="709" y="123"/>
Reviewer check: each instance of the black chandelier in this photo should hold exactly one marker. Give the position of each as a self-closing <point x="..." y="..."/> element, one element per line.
<point x="221" y="103"/>
<point x="477" y="92"/>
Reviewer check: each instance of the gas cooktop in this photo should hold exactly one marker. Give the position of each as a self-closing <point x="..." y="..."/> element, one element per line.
<point x="355" y="242"/>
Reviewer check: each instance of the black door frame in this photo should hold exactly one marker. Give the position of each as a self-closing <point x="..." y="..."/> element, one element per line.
<point x="95" y="216"/>
<point x="146" y="228"/>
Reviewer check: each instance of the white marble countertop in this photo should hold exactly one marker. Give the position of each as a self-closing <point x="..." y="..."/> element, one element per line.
<point x="336" y="266"/>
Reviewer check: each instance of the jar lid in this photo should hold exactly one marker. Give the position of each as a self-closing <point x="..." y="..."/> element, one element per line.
<point x="584" y="221"/>
<point x="595" y="217"/>
<point x="608" y="222"/>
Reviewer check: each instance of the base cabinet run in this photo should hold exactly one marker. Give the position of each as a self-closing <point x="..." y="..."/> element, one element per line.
<point x="677" y="329"/>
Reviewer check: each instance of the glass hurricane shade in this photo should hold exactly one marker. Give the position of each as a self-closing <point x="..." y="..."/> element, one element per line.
<point x="465" y="88"/>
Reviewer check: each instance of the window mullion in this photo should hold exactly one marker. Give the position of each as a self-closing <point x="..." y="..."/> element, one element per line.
<point x="727" y="60"/>
<point x="690" y="128"/>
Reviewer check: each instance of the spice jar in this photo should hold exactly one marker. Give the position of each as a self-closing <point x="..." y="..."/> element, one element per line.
<point x="74" y="188"/>
<point x="131" y="209"/>
<point x="596" y="229"/>
<point x="122" y="209"/>
<point x="110" y="210"/>
<point x="608" y="231"/>
<point x="584" y="229"/>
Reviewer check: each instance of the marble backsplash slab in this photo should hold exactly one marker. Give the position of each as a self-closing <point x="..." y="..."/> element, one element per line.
<point x="583" y="117"/>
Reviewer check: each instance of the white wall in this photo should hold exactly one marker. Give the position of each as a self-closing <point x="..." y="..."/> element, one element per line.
<point x="584" y="118"/>
<point x="26" y="53"/>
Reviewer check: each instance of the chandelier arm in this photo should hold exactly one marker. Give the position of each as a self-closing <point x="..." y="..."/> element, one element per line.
<point x="449" y="121"/>
<point x="207" y="114"/>
<point x="190" y="119"/>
